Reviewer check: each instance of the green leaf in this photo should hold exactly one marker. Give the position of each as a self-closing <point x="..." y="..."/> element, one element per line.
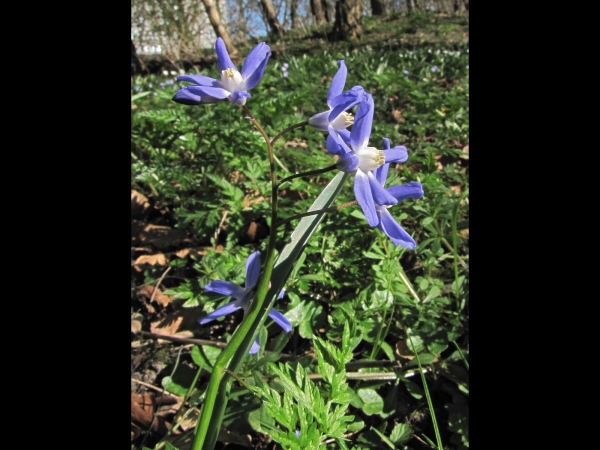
<point x="373" y="403"/>
<point x="169" y="385"/>
<point x="383" y="438"/>
<point x="401" y="433"/>
<point x="139" y="95"/>
<point x="413" y="389"/>
<point x="211" y="353"/>
<point x="200" y="359"/>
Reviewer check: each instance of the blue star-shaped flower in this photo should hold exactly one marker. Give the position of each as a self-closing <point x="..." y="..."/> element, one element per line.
<point x="233" y="85"/>
<point x="363" y="160"/>
<point x="386" y="223"/>
<point x="243" y="296"/>
<point x="339" y="102"/>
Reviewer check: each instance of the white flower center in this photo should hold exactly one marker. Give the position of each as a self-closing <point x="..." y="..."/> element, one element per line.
<point x="370" y="158"/>
<point x="232" y="80"/>
<point x="342" y="121"/>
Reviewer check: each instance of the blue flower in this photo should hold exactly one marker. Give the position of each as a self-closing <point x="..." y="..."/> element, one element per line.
<point x="387" y="224"/>
<point x="434" y="68"/>
<point x="339" y="102"/>
<point x="363" y="160"/>
<point x="243" y="296"/>
<point x="233" y="85"/>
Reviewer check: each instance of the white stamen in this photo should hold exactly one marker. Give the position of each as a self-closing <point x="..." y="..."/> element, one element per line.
<point x="232" y="80"/>
<point x="370" y="159"/>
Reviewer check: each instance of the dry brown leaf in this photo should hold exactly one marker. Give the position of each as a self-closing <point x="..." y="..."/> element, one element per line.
<point x="142" y="413"/>
<point x="178" y="323"/>
<point x="147" y="291"/>
<point x="153" y="260"/>
<point x="397" y="116"/>
<point x="160" y="236"/>
<point x="139" y="204"/>
<point x="136" y="326"/>
<point x="403" y="350"/>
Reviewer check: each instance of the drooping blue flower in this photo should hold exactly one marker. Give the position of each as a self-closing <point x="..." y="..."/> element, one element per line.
<point x="387" y="224"/>
<point x="232" y="85"/>
<point x="339" y="102"/>
<point x="243" y="296"/>
<point x="363" y="160"/>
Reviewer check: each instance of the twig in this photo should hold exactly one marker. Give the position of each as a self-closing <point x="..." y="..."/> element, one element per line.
<point x="147" y="385"/>
<point x="158" y="283"/>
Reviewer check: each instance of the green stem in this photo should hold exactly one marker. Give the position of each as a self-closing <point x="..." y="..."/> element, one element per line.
<point x="313" y="213"/>
<point x="211" y="415"/>
<point x="310" y="172"/>
<point x="429" y="402"/>
<point x="461" y="354"/>
<point x="290" y="128"/>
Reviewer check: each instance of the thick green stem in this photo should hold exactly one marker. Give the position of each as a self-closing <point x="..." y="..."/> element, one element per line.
<point x="211" y="415"/>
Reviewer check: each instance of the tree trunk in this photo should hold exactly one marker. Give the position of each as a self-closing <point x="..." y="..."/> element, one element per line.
<point x="409" y="6"/>
<point x="137" y="66"/>
<point x="294" y="13"/>
<point x="269" y="13"/>
<point x="347" y="20"/>
<point x="325" y="9"/>
<point x="377" y="7"/>
<point x="317" y="11"/>
<point x="215" y="20"/>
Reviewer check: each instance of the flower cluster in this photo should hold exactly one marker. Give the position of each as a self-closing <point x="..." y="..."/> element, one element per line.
<point x="369" y="164"/>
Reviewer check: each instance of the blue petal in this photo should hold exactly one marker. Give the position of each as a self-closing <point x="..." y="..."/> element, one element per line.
<point x="337" y="83"/>
<point x="320" y="121"/>
<point x="255" y="78"/>
<point x="381" y="173"/>
<point x="345" y="101"/>
<point x="414" y="189"/>
<point x="215" y="92"/>
<point x="345" y="135"/>
<point x="239" y="97"/>
<point x="361" y="130"/>
<point x="334" y="147"/>
<point x="280" y="320"/>
<point x="394" y="231"/>
<point x="255" y="347"/>
<point x="254" y="65"/>
<point x="223" y="59"/>
<point x="185" y="97"/>
<point x="225" y="288"/>
<point x="362" y="192"/>
<point x="200" y="80"/>
<point x="252" y="270"/>
<point x="396" y="154"/>
<point x="348" y="162"/>
<point x="386" y="144"/>
<point x="222" y="311"/>
<point x="281" y="294"/>
<point x="380" y="195"/>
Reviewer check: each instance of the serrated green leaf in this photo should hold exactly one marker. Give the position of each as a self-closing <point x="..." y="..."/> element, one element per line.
<point x="373" y="403"/>
<point x="401" y="433"/>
